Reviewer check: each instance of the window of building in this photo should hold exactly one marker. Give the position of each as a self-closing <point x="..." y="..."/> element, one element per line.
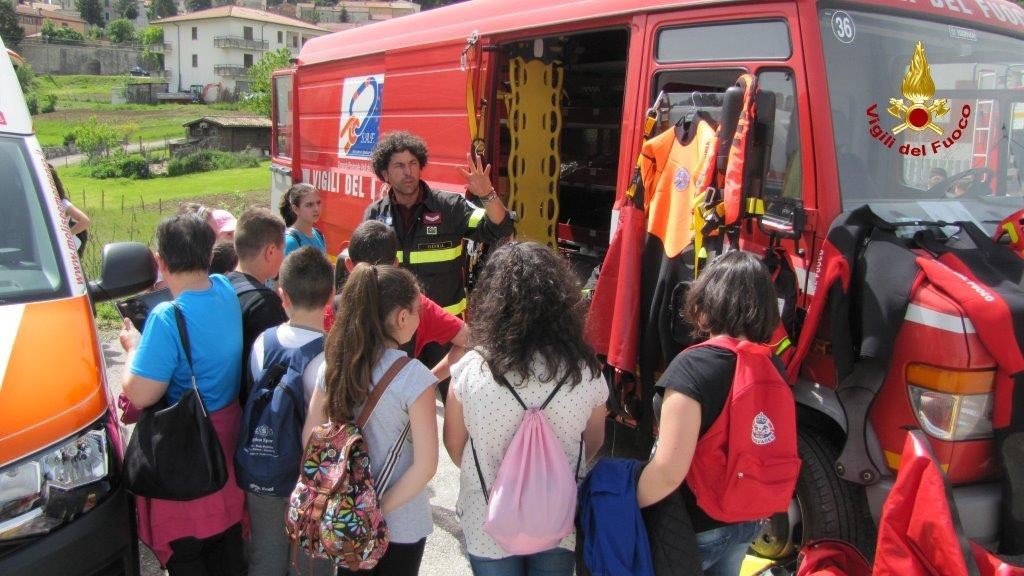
<point x="195" y="61"/>
<point x="247" y="32"/>
<point x="295" y="41"/>
<point x="247" y="60"/>
<point x="195" y="33"/>
<point x="280" y="37"/>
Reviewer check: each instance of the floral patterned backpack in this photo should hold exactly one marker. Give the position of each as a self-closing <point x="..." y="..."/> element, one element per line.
<point x="334" y="511"/>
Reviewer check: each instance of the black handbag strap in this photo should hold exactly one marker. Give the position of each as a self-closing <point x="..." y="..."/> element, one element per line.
<point x="183" y="334"/>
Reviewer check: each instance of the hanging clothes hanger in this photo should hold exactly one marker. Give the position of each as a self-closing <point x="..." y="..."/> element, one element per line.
<point x="689" y="122"/>
<point x="693" y="106"/>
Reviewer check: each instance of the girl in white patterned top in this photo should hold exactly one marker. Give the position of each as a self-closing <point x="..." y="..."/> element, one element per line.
<point x="526" y="317"/>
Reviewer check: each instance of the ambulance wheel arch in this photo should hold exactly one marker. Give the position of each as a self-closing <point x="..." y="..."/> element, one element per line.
<point x="824" y="506"/>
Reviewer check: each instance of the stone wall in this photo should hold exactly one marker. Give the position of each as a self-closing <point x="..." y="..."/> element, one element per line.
<point x="86" y="59"/>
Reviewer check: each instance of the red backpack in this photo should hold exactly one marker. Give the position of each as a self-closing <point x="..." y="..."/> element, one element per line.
<point x="746" y="465"/>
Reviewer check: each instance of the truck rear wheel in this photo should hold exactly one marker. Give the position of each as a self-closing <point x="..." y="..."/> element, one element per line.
<point x="824" y="506"/>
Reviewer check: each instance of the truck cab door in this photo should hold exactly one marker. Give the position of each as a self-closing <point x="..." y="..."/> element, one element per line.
<point x="705" y="50"/>
<point x="282" y="114"/>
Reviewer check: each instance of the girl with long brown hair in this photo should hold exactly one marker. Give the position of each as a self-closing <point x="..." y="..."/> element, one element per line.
<point x="380" y="312"/>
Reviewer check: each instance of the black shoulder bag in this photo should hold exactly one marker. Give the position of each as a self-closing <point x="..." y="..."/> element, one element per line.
<point x="174" y="453"/>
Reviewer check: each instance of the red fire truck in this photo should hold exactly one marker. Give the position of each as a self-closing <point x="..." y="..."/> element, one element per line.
<point x="900" y="105"/>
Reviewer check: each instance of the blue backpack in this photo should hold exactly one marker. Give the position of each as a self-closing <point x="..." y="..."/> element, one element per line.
<point x="269" y="449"/>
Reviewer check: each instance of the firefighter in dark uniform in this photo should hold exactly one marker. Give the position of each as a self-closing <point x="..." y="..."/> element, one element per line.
<point x="431" y="225"/>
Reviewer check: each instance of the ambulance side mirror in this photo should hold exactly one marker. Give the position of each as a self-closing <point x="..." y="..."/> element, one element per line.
<point x="126" y="268"/>
<point x="783" y="218"/>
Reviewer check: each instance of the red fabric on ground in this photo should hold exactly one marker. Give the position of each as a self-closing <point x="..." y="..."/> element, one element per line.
<point x="832" y="558"/>
<point x="917" y="535"/>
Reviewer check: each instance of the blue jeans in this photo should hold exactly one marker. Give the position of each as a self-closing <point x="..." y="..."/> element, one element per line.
<point x="722" y="549"/>
<point x="554" y="562"/>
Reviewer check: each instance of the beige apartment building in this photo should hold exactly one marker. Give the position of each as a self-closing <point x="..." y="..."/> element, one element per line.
<point x="215" y="48"/>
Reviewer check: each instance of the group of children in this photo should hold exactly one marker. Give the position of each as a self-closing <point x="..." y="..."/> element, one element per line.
<point x="236" y="324"/>
<point x="526" y="332"/>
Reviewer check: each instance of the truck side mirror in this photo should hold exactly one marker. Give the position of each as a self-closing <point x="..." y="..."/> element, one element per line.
<point x="783" y="218"/>
<point x="126" y="268"/>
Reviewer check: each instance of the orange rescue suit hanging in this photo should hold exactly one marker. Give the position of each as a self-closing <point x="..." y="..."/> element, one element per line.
<point x="672" y="173"/>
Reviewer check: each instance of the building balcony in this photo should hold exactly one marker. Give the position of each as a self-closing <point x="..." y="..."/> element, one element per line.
<point x="159" y="48"/>
<point x="231" y="71"/>
<point x="239" y="42"/>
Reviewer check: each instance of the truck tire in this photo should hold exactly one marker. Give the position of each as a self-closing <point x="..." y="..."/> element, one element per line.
<point x="824" y="506"/>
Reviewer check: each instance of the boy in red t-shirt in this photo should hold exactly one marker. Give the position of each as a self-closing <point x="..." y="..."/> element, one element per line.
<point x="374" y="242"/>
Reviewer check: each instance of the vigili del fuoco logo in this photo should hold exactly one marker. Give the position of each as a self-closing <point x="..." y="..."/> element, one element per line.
<point x="917" y="111"/>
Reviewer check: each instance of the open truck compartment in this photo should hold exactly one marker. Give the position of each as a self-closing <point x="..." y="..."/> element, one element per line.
<point x="560" y="117"/>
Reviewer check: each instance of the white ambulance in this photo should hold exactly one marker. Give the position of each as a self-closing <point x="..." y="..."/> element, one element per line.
<point x="63" y="509"/>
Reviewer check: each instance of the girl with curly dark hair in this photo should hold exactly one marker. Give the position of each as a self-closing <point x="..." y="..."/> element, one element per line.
<point x="380" y="312"/>
<point x="526" y="320"/>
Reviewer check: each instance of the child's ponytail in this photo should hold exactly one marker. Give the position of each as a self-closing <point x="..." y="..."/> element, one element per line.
<point x="360" y="335"/>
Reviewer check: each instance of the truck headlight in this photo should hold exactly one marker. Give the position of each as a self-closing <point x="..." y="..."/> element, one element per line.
<point x="952" y="404"/>
<point x="45" y="490"/>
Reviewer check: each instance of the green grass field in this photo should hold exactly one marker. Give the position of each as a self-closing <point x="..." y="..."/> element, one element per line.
<point x="148" y="123"/>
<point x="79" y="97"/>
<point x="80" y="88"/>
<point x="129" y="210"/>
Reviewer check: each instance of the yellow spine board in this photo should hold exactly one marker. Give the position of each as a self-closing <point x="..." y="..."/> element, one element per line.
<point x="535" y="125"/>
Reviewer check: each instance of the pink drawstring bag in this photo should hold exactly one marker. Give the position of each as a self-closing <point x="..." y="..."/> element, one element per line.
<point x="532" y="504"/>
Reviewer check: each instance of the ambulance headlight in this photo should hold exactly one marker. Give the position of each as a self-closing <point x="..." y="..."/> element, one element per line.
<point x="52" y="487"/>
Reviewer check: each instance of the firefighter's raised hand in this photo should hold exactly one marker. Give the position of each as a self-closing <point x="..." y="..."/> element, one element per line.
<point x="478" y="175"/>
